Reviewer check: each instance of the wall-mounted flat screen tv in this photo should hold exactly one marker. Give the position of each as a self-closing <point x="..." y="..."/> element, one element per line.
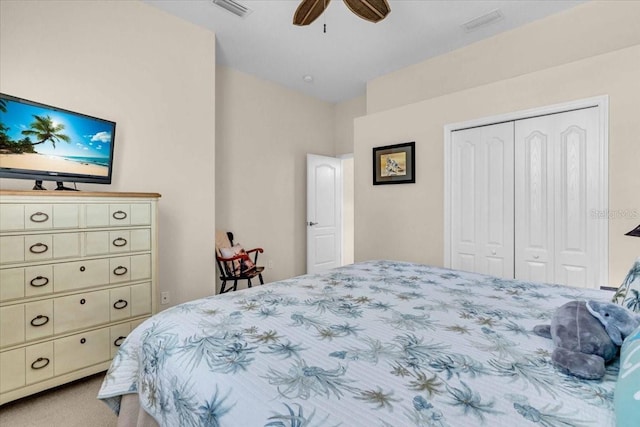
<point x="46" y="143"/>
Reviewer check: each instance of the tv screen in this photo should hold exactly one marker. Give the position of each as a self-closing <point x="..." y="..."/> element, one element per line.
<point x="42" y="142"/>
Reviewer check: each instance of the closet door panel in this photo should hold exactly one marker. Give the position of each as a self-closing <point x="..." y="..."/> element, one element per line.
<point x="497" y="206"/>
<point x="482" y="200"/>
<point x="576" y="196"/>
<point x="533" y="200"/>
<point x="557" y="189"/>
<point x="464" y="231"/>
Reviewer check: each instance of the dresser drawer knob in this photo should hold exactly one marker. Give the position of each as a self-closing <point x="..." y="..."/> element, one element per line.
<point x="40" y="362"/>
<point x="83" y="301"/>
<point x="38" y="248"/>
<point x="119" y="215"/>
<point x="83" y="340"/>
<point x="120" y="304"/>
<point x="39" y="320"/>
<point x="118" y="341"/>
<point x="120" y="242"/>
<point x="39" y="217"/>
<point x="35" y="282"/>
<point x="120" y="270"/>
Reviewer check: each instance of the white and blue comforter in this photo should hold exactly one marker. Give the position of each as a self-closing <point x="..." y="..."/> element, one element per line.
<point x="377" y="343"/>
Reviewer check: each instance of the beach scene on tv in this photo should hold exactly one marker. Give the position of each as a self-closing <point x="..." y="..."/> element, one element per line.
<point x="49" y="140"/>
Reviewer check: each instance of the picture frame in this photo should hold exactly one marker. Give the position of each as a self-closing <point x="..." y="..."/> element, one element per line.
<point x="394" y="164"/>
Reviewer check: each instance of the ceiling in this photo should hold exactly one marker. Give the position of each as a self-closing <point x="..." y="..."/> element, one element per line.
<point x="266" y="44"/>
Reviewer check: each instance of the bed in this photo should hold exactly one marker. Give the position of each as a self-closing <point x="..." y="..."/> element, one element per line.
<point x="378" y="343"/>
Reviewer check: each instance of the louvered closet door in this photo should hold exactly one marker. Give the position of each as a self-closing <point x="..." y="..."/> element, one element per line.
<point x="482" y="200"/>
<point x="557" y="187"/>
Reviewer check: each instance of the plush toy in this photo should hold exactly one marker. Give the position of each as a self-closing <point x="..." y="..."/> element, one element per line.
<point x="617" y="320"/>
<point x="587" y="336"/>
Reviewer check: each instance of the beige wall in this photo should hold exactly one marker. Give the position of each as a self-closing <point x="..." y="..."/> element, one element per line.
<point x="263" y="134"/>
<point x="154" y="75"/>
<point x="344" y="114"/>
<point x="348" y="251"/>
<point x="408" y="219"/>
<point x="587" y="30"/>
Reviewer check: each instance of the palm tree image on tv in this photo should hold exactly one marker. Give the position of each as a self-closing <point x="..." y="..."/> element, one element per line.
<point x="37" y="138"/>
<point x="43" y="129"/>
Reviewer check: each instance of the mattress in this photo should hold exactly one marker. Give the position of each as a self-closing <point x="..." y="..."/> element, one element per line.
<point x="378" y="343"/>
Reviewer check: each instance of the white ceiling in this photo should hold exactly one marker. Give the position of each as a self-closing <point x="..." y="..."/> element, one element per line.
<point x="352" y="51"/>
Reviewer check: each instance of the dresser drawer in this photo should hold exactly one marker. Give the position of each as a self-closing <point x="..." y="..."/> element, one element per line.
<point x="120" y="241"/>
<point x="120" y="303"/>
<point x="39" y="247"/>
<point x="117" y="215"/>
<point x="16" y="217"/>
<point x="25" y="322"/>
<point x="81" y="350"/>
<point x="133" y="268"/>
<point x="80" y="311"/>
<point x="39" y="362"/>
<point x="130" y="301"/>
<point x="118" y="334"/>
<point x="24" y="366"/>
<point x="81" y="274"/>
<point x="25" y="282"/>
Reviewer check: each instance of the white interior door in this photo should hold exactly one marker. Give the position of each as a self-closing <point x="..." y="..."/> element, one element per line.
<point x="560" y="175"/>
<point x="556" y="197"/>
<point x="482" y="200"/>
<point x="324" y="213"/>
<point x="534" y="255"/>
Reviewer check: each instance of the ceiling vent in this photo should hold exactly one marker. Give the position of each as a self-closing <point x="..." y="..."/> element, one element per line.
<point x="233" y="7"/>
<point x="483" y="20"/>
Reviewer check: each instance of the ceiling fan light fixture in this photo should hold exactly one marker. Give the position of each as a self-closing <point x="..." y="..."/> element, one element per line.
<point x="233" y="7"/>
<point x="370" y="10"/>
<point x="483" y="20"/>
<point x="307" y="78"/>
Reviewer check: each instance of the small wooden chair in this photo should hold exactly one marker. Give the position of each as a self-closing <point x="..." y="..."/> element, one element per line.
<point x="235" y="263"/>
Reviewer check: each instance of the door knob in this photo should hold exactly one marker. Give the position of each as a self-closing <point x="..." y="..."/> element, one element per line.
<point x="311" y="223"/>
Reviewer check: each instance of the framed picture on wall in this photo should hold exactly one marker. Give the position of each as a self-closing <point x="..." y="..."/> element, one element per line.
<point x="394" y="164"/>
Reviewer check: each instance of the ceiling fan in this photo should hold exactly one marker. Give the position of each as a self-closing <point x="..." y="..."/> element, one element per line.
<point x="370" y="10"/>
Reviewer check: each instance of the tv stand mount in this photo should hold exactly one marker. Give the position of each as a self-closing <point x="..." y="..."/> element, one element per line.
<point x="60" y="186"/>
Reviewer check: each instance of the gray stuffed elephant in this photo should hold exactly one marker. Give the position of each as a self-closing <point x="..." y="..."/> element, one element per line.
<point x="587" y="336"/>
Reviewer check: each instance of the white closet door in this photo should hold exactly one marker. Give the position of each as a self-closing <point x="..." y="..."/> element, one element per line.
<point x="482" y="200"/>
<point x="558" y="187"/>
<point x="534" y="200"/>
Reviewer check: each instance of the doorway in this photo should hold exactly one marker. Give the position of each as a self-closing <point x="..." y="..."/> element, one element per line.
<point x="330" y="201"/>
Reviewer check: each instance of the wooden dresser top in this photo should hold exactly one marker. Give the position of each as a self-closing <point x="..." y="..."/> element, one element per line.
<point x="36" y="193"/>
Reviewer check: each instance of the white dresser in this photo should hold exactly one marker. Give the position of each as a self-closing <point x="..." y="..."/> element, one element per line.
<point x="77" y="274"/>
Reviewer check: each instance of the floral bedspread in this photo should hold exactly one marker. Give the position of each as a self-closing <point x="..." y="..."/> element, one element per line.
<point x="377" y="343"/>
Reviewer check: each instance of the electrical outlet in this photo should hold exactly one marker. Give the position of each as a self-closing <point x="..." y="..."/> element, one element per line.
<point x="164" y="298"/>
<point x="270" y="263"/>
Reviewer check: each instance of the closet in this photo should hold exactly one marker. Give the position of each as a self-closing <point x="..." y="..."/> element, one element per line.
<point x="525" y="198"/>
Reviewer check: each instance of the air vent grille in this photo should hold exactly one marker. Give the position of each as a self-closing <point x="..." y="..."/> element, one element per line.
<point x="483" y="20"/>
<point x="233" y="7"/>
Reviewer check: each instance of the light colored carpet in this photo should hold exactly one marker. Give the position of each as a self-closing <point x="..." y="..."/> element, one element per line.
<point x="71" y="405"/>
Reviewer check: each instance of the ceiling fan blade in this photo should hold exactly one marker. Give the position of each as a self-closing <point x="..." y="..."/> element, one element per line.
<point x="370" y="10"/>
<point x="308" y="11"/>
